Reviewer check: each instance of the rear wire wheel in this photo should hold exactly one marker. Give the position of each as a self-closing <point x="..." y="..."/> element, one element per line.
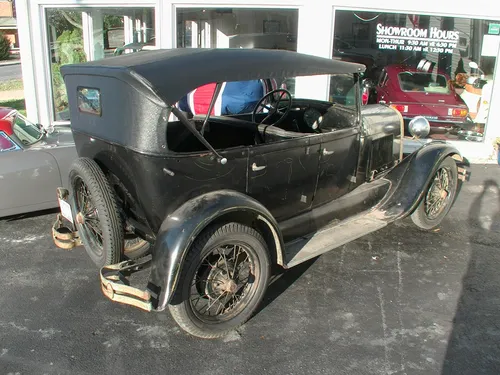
<point x="223" y="280"/>
<point x="134" y="246"/>
<point x="95" y="212"/>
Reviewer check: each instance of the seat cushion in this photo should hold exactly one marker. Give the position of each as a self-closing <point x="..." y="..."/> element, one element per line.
<point x="274" y="134"/>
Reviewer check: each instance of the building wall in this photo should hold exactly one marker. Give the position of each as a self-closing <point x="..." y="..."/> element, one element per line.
<point x="315" y="36"/>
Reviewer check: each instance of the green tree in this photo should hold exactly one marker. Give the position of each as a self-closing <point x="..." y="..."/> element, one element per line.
<point x="70" y="51"/>
<point x="4" y="47"/>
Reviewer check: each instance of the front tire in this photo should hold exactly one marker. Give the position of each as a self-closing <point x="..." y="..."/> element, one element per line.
<point x="223" y="280"/>
<point x="439" y="197"/>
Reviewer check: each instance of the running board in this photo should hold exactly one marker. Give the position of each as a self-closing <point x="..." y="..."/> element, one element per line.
<point x="330" y="238"/>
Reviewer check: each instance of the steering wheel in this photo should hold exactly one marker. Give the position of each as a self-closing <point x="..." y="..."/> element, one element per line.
<point x="284" y="98"/>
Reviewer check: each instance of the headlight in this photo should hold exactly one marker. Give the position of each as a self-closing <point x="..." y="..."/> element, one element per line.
<point x="419" y="127"/>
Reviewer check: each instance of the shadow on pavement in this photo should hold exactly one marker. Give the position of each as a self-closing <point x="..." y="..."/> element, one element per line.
<point x="281" y="280"/>
<point x="474" y="343"/>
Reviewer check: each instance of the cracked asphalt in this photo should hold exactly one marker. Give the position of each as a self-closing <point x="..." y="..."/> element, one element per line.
<point x="398" y="301"/>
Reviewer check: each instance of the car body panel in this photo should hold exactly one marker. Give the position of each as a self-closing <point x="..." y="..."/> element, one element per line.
<point x="31" y="174"/>
<point x="29" y="180"/>
<point x="181" y="227"/>
<point x="283" y="179"/>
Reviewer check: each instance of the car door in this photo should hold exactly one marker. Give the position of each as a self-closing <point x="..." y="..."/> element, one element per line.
<point x="282" y="175"/>
<point x="339" y="153"/>
<point x="28" y="179"/>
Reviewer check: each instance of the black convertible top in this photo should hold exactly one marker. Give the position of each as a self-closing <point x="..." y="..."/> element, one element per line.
<point x="172" y="73"/>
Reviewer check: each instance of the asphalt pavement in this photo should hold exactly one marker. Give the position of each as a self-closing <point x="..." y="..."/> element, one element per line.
<point x="398" y="301"/>
<point x="9" y="72"/>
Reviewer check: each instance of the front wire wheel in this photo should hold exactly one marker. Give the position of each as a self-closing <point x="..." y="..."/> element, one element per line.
<point x="223" y="280"/>
<point x="439" y="197"/>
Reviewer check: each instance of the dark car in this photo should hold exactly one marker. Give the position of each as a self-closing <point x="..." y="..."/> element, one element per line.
<point x="221" y="198"/>
<point x="419" y="93"/>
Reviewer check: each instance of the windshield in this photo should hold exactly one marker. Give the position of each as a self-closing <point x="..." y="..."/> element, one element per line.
<point x="27" y="132"/>
<point x="423" y="82"/>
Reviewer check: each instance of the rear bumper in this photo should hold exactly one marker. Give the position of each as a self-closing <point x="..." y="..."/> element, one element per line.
<point x="115" y="284"/>
<point x="64" y="235"/>
<point x="443" y="123"/>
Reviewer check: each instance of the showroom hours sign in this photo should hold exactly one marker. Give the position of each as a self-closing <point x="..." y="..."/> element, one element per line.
<point x="418" y="40"/>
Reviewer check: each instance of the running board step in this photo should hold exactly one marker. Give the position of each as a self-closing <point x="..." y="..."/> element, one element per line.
<point x="330" y="238"/>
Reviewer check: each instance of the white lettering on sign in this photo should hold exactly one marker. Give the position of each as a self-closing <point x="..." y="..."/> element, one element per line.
<point x="401" y="31"/>
<point x="411" y="39"/>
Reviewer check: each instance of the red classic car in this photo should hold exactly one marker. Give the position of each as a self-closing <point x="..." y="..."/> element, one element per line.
<point x="417" y="93"/>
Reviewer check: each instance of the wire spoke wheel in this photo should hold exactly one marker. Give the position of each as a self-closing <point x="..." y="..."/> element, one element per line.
<point x="95" y="212"/>
<point x="87" y="214"/>
<point x="223" y="279"/>
<point x="439" y="196"/>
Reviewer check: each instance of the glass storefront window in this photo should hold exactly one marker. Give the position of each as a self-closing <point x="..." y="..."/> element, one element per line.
<point x="66" y="46"/>
<point x="237" y="28"/>
<point x="115" y="31"/>
<point x="437" y="67"/>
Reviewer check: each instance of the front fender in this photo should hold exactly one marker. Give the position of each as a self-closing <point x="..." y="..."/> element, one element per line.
<point x="411" y="178"/>
<point x="179" y="230"/>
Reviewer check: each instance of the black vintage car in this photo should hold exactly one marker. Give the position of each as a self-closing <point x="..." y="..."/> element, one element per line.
<point x="222" y="197"/>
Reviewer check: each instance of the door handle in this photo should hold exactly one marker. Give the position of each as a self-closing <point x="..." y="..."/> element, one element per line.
<point x="256" y="167"/>
<point x="326" y="152"/>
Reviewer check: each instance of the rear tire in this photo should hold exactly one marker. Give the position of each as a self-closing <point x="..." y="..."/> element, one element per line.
<point x="226" y="272"/>
<point x="439" y="196"/>
<point x="135" y="247"/>
<point x="95" y="212"/>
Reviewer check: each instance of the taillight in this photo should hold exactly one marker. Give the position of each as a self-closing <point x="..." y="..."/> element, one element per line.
<point x="400" y="107"/>
<point x="457" y="112"/>
<point x="364" y="97"/>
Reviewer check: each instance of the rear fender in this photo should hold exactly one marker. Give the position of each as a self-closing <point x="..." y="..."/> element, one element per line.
<point x="179" y="230"/>
<point x="411" y="178"/>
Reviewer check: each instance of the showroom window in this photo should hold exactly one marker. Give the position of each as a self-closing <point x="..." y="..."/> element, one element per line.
<point x="237" y="28"/>
<point x="78" y="35"/>
<point x="440" y="68"/>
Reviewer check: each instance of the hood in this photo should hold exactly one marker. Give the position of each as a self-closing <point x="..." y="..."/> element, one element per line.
<point x="62" y="136"/>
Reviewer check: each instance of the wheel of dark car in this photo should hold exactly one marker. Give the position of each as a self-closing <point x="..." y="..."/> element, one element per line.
<point x="95" y="212"/>
<point x="278" y="101"/>
<point x="439" y="196"/>
<point x="223" y="280"/>
<point x="134" y="246"/>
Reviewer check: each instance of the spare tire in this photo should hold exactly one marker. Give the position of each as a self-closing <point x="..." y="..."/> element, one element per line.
<point x="95" y="212"/>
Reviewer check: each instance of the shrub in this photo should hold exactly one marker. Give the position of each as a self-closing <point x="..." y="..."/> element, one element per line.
<point x="4" y="47"/>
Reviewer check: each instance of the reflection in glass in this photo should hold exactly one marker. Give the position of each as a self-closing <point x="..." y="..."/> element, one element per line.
<point x="432" y="66"/>
<point x="89" y="101"/>
<point x="66" y="46"/>
<point x="77" y="36"/>
<point x="237" y="28"/>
